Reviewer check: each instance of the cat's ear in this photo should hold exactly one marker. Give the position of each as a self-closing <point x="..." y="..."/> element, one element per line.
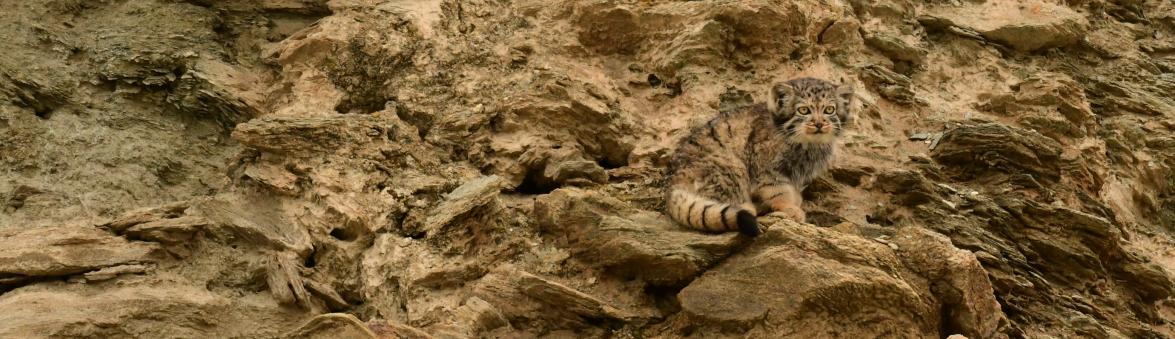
<point x="778" y="97"/>
<point x="844" y="93"/>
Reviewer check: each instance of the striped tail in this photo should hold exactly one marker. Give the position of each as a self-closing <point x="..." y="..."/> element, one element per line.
<point x="697" y="212"/>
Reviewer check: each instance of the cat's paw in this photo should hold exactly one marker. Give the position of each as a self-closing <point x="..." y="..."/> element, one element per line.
<point x="794" y="214"/>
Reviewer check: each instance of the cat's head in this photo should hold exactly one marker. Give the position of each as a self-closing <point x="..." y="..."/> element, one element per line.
<point x="810" y="110"/>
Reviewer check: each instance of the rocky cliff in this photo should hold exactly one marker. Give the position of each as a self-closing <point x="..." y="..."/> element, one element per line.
<point x="485" y="168"/>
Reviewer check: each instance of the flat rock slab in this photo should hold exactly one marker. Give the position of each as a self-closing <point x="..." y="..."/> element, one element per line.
<point x="1023" y="25"/>
<point x="63" y="251"/>
<point x="649" y="246"/>
<point x="465" y="198"/>
<point x="977" y="146"/>
<point x="257" y="223"/>
<point x="605" y="232"/>
<point x="303" y="136"/>
<point x="524" y="297"/>
<point x="897" y="48"/>
<point x="167" y="311"/>
<point x="219" y="91"/>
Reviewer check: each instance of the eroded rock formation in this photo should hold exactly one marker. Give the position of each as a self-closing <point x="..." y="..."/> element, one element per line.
<point x="455" y="169"/>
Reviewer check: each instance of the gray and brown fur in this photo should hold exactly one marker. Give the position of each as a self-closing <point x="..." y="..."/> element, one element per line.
<point x="757" y="159"/>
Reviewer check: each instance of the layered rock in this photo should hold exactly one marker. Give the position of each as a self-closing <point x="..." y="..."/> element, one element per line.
<point x="908" y="292"/>
<point x="456" y="169"/>
<point x="55" y="252"/>
<point x="604" y="232"/>
<point x="111" y="311"/>
<point x="1026" y="27"/>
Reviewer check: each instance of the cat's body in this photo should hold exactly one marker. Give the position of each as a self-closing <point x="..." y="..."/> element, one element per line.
<point x="758" y="158"/>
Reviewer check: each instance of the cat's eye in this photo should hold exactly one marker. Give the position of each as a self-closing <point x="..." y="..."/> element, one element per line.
<point x="803" y="111"/>
<point x="829" y="110"/>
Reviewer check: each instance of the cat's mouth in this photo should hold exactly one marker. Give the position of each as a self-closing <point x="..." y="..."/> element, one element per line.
<point x="813" y="130"/>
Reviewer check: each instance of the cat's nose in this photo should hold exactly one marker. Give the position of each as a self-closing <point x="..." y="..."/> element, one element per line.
<point x="818" y="125"/>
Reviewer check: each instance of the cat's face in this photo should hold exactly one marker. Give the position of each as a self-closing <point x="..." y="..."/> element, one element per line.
<point x="809" y="110"/>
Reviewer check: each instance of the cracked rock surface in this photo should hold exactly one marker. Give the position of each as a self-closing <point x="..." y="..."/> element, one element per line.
<point x="475" y="168"/>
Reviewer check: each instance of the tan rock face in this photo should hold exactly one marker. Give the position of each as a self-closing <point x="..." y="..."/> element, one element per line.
<point x="1024" y="26"/>
<point x="47" y="252"/>
<point x="112" y="311"/>
<point x="999" y="147"/>
<point x="604" y="232"/>
<point x="798" y="276"/>
<point x="474" y="168"/>
<point x="1050" y="103"/>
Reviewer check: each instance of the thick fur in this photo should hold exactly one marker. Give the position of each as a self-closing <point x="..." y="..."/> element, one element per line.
<point x="757" y="159"/>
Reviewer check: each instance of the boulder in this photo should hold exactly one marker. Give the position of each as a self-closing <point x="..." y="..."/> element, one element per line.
<point x="1080" y="247"/>
<point x="1031" y="252"/>
<point x="755" y="28"/>
<point x="844" y="41"/>
<point x="28" y="91"/>
<point x="474" y="318"/>
<point x="275" y="177"/>
<point x="167" y="231"/>
<point x="114" y="271"/>
<point x="802" y="281"/>
<point x="609" y="29"/>
<point x="145" y="215"/>
<point x="1113" y="96"/>
<point x="956" y="279"/>
<point x="225" y="217"/>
